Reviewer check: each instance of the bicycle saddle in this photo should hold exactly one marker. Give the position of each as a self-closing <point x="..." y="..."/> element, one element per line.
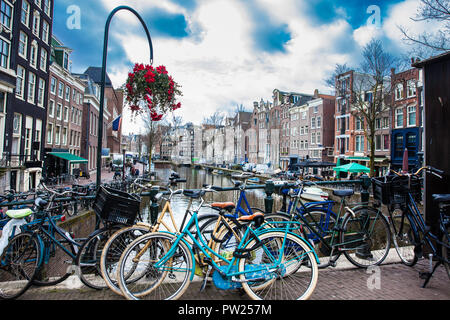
<point x="441" y="198"/>
<point x="343" y="193"/>
<point x="258" y="217"/>
<point x="229" y="206"/>
<point x="193" y="193"/>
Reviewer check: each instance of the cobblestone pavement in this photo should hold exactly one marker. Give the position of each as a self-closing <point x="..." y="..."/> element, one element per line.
<point x="396" y="282"/>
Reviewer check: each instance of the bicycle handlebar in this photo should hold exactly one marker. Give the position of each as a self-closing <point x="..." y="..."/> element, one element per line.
<point x="437" y="172"/>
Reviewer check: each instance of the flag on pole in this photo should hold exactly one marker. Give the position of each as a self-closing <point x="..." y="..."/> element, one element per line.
<point x="117" y="123"/>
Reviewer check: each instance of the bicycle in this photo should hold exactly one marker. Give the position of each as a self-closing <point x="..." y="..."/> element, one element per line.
<point x="156" y="264"/>
<point x="410" y="230"/>
<point x="361" y="233"/>
<point x="121" y="238"/>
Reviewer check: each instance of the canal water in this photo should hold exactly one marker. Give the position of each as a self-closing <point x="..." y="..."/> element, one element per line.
<point x="195" y="178"/>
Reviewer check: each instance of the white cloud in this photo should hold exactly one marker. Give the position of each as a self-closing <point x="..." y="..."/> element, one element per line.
<point x="219" y="63"/>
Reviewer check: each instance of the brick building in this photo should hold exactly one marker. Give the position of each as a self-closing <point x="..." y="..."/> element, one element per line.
<point x="407" y="127"/>
<point x="64" y="114"/>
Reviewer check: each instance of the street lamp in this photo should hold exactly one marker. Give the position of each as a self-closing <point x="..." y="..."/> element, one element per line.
<point x="103" y="80"/>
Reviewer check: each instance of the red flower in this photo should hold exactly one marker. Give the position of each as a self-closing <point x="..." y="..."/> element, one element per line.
<point x="161" y="70"/>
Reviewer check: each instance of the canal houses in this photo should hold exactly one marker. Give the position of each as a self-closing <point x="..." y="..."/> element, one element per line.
<point x="24" y="77"/>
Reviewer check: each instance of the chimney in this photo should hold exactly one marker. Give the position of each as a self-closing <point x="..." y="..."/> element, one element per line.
<point x="316" y="93"/>
<point x="392" y="71"/>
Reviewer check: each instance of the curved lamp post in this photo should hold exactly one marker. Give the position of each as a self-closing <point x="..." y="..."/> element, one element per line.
<point x="103" y="80"/>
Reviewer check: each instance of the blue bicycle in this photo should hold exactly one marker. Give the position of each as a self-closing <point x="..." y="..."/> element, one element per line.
<point x="268" y="263"/>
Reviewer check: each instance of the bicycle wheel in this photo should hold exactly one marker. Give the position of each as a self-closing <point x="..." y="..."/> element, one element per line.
<point x="446" y="250"/>
<point x="138" y="277"/>
<point x="88" y="258"/>
<point x="19" y="264"/>
<point x="57" y="264"/>
<point x="112" y="251"/>
<point x="366" y="238"/>
<point x="283" y="268"/>
<point x="404" y="238"/>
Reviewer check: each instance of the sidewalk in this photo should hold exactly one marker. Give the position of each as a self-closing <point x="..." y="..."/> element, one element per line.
<point x="396" y="282"/>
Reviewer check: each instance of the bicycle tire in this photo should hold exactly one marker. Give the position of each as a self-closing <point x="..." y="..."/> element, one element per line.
<point x="88" y="258"/>
<point x="53" y="268"/>
<point x="404" y="240"/>
<point x="112" y="251"/>
<point x="286" y="282"/>
<point x="24" y="251"/>
<point x="361" y="250"/>
<point x="154" y="286"/>
<point x="446" y="250"/>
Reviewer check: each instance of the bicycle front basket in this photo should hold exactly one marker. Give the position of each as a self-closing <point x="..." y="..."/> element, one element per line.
<point x="116" y="206"/>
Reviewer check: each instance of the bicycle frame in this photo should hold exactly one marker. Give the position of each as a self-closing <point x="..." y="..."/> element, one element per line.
<point x="419" y="222"/>
<point x="210" y="253"/>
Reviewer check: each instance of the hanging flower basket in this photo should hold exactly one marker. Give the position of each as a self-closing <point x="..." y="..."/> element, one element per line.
<point x="152" y="88"/>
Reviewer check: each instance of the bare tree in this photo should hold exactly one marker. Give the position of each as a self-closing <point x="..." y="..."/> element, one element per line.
<point x="427" y="44"/>
<point x="338" y="69"/>
<point x="371" y="91"/>
<point x="216" y="119"/>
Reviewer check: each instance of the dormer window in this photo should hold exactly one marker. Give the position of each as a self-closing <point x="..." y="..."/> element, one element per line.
<point x="66" y="61"/>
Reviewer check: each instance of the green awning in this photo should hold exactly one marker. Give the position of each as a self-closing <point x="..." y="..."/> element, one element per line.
<point x="69" y="157"/>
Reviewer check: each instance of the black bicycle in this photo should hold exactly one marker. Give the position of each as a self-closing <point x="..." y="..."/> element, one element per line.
<point x="410" y="232"/>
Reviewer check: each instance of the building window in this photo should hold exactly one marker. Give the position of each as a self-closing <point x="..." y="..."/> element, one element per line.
<point x="34" y="54"/>
<point x="318" y="138"/>
<point x="398" y="152"/>
<point x="36" y="23"/>
<point x="57" y="135"/>
<point x="411" y="89"/>
<point x="17" y="123"/>
<point x="359" y="123"/>
<point x="377" y="123"/>
<point x="45" y="31"/>
<point x="51" y="108"/>
<point x="49" y="133"/>
<point x="66" y="114"/>
<point x="41" y="92"/>
<point x="66" y="61"/>
<point x="67" y="93"/>
<point x="38" y="3"/>
<point x="43" y="63"/>
<point x="359" y="143"/>
<point x="64" y="136"/>
<point x="386" y="123"/>
<point x="313" y="138"/>
<point x="25" y="14"/>
<point x="4" y="54"/>
<point x="20" y="81"/>
<point x="378" y="142"/>
<point x="399" y="91"/>
<point x="47" y="7"/>
<point x="53" y="85"/>
<point x="5" y="14"/>
<point x="313" y="123"/>
<point x="61" y="89"/>
<point x="386" y="142"/>
<point x="58" y="111"/>
<point x="23" y="44"/>
<point x="31" y="87"/>
<point x="411" y="113"/>
<point x="399" y="117"/>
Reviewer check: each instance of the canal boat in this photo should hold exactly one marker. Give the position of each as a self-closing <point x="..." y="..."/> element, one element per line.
<point x="314" y="194"/>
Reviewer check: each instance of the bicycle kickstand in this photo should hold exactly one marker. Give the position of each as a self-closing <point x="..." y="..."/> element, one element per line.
<point x="427" y="275"/>
<point x="205" y="279"/>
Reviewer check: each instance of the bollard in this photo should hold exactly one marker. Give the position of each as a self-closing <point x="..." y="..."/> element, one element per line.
<point x="268" y="200"/>
<point x="154" y="207"/>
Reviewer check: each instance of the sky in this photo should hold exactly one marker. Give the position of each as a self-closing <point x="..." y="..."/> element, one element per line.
<point x="225" y="53"/>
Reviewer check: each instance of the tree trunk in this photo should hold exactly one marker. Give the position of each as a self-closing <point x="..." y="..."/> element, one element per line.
<point x="372" y="154"/>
